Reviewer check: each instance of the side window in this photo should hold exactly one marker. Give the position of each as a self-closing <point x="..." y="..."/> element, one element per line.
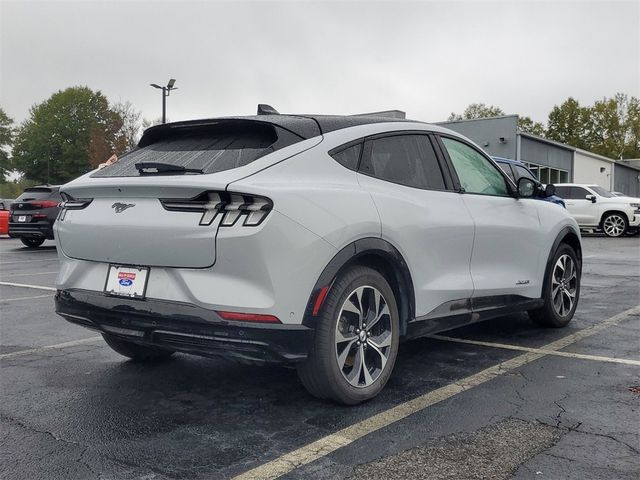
<point x="523" y="172"/>
<point x="564" y="192"/>
<point x="405" y="159"/>
<point x="506" y="168"/>
<point x="476" y="173"/>
<point x="578" y="193"/>
<point x="349" y="156"/>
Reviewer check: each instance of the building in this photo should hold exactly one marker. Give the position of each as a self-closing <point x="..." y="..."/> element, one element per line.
<point x="594" y="169"/>
<point x="552" y="162"/>
<point x="500" y="137"/>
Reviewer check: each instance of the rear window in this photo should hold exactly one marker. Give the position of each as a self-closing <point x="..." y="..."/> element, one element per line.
<point x="35" y="194"/>
<point x="211" y="149"/>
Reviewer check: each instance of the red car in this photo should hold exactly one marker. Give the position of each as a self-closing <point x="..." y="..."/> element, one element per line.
<point x="4" y="216"/>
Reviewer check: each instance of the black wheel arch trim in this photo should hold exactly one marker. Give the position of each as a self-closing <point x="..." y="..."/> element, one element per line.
<point x="402" y="284"/>
<point x="562" y="235"/>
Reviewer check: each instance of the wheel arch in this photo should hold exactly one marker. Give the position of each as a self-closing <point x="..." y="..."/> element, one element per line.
<point x="609" y="212"/>
<point x="569" y="236"/>
<point x="375" y="253"/>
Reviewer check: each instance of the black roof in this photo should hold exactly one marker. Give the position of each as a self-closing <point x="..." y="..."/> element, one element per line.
<point x="304" y="126"/>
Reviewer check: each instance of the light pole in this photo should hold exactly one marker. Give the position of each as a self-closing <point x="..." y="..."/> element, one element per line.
<point x="165" y="93"/>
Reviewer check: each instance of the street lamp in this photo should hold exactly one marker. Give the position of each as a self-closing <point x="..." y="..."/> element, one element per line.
<point x="165" y="93"/>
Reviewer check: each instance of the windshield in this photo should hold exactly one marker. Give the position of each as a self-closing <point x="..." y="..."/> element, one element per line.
<point x="34" y="194"/>
<point x="601" y="191"/>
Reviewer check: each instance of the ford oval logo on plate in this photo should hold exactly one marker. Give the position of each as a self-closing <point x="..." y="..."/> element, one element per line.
<point x="125" y="282"/>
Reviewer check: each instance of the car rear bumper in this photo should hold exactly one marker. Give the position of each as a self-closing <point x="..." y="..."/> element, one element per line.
<point x="31" y="230"/>
<point x="183" y="327"/>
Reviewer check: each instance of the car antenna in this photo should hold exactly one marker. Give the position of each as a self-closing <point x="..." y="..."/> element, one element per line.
<point x="264" y="109"/>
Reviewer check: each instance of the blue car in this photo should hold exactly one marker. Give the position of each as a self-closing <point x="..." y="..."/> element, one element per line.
<point x="516" y="170"/>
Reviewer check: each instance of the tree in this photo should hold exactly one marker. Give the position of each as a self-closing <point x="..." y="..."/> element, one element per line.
<point x="569" y="123"/>
<point x="129" y="134"/>
<point x="477" y="110"/>
<point x="6" y="140"/>
<point x="527" y="125"/>
<point x="66" y="135"/>
<point x="615" y="127"/>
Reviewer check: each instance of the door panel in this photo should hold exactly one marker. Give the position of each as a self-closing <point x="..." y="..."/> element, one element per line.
<point x="507" y="246"/>
<point x="508" y="239"/>
<point x="429" y="225"/>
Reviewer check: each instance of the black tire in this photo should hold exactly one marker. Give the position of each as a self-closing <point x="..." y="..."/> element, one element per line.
<point x="320" y="373"/>
<point x="32" y="242"/>
<point x="139" y="353"/>
<point x="548" y="315"/>
<point x="615" y="224"/>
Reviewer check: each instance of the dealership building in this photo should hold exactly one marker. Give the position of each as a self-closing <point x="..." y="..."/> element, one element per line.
<point x="552" y="162"/>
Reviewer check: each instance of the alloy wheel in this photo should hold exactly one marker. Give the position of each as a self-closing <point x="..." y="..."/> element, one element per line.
<point x="564" y="285"/>
<point x="613" y="225"/>
<point x="363" y="336"/>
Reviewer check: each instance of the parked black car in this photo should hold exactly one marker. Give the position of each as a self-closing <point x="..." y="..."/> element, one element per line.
<point x="33" y="214"/>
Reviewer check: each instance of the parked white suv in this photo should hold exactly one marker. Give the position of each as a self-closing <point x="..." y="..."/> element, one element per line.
<point x="595" y="207"/>
<point x="317" y="240"/>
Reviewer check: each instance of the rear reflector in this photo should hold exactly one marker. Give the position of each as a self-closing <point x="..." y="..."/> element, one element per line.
<point x="249" y="317"/>
<point x="320" y="299"/>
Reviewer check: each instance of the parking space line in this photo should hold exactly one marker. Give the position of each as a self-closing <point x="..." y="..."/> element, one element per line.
<point x="505" y="346"/>
<point x="24" y="285"/>
<point x="330" y="443"/>
<point x="51" y="259"/>
<point x="72" y="343"/>
<point x="31" y="274"/>
<point x="3" y="300"/>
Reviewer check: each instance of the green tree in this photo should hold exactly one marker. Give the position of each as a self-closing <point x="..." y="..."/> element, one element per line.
<point x="527" y="125"/>
<point x="615" y="127"/>
<point x="476" y="110"/>
<point x="66" y="135"/>
<point x="570" y="123"/>
<point x="6" y="140"/>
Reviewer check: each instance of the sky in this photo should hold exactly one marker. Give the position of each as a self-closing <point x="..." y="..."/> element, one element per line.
<point x="428" y="58"/>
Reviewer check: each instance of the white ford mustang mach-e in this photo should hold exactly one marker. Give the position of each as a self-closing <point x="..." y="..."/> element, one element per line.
<point x="317" y="240"/>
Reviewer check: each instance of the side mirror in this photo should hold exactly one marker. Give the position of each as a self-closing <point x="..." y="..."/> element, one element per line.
<point x="526" y="187"/>
<point x="591" y="197"/>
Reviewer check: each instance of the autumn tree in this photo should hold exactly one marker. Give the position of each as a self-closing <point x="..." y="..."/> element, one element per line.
<point x="70" y="133"/>
<point x="6" y="140"/>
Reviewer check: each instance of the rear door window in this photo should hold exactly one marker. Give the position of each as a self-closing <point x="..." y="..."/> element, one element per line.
<point x="523" y="172"/>
<point x="404" y="159"/>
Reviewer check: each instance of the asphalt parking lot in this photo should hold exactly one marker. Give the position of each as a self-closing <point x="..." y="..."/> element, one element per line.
<point x="502" y="399"/>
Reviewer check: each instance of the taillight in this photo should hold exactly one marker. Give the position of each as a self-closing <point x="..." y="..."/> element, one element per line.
<point x="230" y="205"/>
<point x="44" y="204"/>
<point x="70" y="203"/>
<point x="249" y="317"/>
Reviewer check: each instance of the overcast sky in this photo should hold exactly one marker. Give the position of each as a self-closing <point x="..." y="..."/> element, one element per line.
<point x="425" y="57"/>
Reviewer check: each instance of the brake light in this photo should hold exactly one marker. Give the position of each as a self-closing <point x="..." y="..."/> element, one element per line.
<point x="71" y="203"/>
<point x="231" y="206"/>
<point x="44" y="204"/>
<point x="39" y="215"/>
<point x="249" y="317"/>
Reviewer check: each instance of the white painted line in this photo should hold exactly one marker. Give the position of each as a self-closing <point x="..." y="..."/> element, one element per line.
<point x="24" y="285"/>
<point x="326" y="445"/>
<point x="3" y="300"/>
<point x="505" y="346"/>
<point x="31" y="274"/>
<point x="73" y="343"/>
<point x="52" y="259"/>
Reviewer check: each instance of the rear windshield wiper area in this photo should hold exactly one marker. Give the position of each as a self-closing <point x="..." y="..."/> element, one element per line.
<point x="157" y="168"/>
